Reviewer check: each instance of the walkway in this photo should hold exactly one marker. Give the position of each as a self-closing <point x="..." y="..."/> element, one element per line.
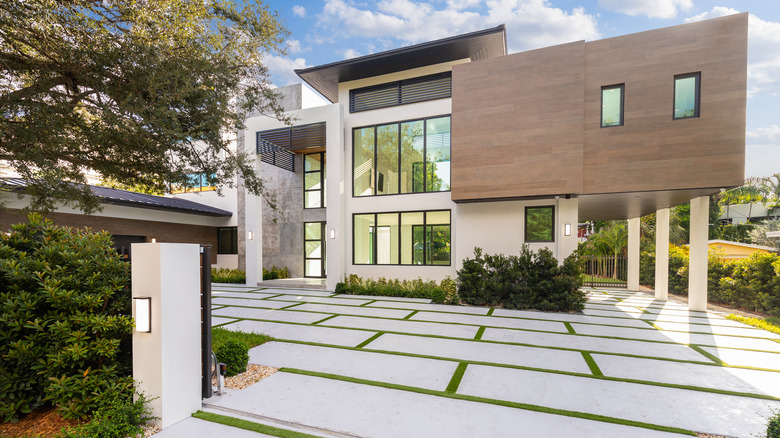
<point x="389" y="367"/>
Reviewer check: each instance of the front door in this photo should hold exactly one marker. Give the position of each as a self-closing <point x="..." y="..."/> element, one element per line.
<point x="314" y="249"/>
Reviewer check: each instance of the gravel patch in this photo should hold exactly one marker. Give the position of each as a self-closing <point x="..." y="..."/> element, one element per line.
<point x="253" y="374"/>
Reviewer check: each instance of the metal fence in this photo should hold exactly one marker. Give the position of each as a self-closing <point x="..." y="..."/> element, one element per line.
<point x="606" y="272"/>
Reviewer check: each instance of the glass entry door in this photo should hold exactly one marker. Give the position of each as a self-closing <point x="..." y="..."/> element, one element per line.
<point x="314" y="249"/>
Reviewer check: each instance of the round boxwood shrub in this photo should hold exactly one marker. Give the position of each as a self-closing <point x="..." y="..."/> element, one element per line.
<point x="235" y="355"/>
<point x="773" y="427"/>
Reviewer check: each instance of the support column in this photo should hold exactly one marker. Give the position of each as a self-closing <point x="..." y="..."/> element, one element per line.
<point x="633" y="253"/>
<point x="568" y="215"/>
<point x="697" y="262"/>
<point x="662" y="254"/>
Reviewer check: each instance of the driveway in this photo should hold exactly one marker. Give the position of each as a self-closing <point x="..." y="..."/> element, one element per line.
<point x="389" y="367"/>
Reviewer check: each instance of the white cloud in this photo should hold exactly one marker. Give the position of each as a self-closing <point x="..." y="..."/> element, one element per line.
<point x="763" y="51"/>
<point x="768" y="133"/>
<point x="349" y="53"/>
<point x="299" y="10"/>
<point x="294" y="46"/>
<point x="281" y="69"/>
<point x="530" y="23"/>
<point x="762" y="151"/>
<point x="650" y="8"/>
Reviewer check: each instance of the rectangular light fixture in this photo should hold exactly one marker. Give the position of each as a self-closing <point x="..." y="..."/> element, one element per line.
<point x="332" y="233"/>
<point x="250" y="235"/>
<point x="567" y="230"/>
<point x="143" y="314"/>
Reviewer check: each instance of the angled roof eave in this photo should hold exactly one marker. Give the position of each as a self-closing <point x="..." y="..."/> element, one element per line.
<point x="482" y="44"/>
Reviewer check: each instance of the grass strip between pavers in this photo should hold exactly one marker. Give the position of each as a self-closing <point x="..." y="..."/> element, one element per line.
<point x="292" y="305"/>
<point x="369" y="340"/>
<point x="594" y="368"/>
<point x="709" y="356"/>
<point x="367" y="303"/>
<point x="510" y="404"/>
<point x="479" y="334"/>
<point x="490" y="312"/>
<point x="569" y="328"/>
<point x="411" y="314"/>
<point x="457" y="376"/>
<point x="325" y="319"/>
<point x="250" y="425"/>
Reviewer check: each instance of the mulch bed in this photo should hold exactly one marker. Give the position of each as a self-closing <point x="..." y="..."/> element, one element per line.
<point x="41" y="423"/>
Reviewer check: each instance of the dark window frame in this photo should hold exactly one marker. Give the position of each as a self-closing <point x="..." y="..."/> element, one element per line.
<point x="697" y="97"/>
<point x="622" y="88"/>
<point x="322" y="180"/>
<point x="425" y="224"/>
<point x="375" y="176"/>
<point x="552" y="223"/>
<point x="323" y="241"/>
<point x="233" y="243"/>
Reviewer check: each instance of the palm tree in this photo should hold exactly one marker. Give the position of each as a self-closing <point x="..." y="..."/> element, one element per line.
<point x="611" y="240"/>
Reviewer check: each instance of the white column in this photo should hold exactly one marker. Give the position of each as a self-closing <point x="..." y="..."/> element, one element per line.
<point x="662" y="254"/>
<point x="337" y="227"/>
<point x="568" y="215"/>
<point x="697" y="263"/>
<point x="633" y="253"/>
<point x="166" y="361"/>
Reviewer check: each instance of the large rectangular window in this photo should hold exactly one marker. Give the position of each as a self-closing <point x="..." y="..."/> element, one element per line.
<point x="406" y="238"/>
<point x="612" y="105"/>
<point x="314" y="180"/>
<point x="196" y="182"/>
<point x="687" y="95"/>
<point x="436" y="86"/>
<point x="314" y="249"/>
<point x="410" y="157"/>
<point x="227" y="240"/>
<point x="540" y="224"/>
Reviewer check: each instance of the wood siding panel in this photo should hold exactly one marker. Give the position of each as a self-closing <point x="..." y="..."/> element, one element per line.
<point x="514" y="116"/>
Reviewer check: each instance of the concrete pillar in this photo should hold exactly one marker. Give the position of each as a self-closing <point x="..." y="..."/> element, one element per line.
<point x="337" y="228"/>
<point x="634" y="225"/>
<point x="568" y="216"/>
<point x="166" y="361"/>
<point x="697" y="263"/>
<point x="662" y="254"/>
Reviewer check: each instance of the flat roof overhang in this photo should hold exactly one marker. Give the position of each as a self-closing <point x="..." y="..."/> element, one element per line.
<point x="482" y="44"/>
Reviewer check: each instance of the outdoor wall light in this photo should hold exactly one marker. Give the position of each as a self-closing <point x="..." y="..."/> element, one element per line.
<point x="332" y="233"/>
<point x="250" y="235"/>
<point x="143" y="314"/>
<point x="154" y="240"/>
<point x="567" y="230"/>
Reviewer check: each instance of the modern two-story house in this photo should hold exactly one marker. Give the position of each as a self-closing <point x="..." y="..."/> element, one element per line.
<point x="428" y="151"/>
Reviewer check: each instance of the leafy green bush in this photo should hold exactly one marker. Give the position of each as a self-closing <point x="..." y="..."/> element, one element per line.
<point x="221" y="335"/>
<point x="224" y="275"/>
<point x="234" y="354"/>
<point x="527" y="281"/>
<point x="442" y="293"/>
<point x="65" y="321"/>
<point x="773" y="426"/>
<point x="118" y="420"/>
<point x="275" y="273"/>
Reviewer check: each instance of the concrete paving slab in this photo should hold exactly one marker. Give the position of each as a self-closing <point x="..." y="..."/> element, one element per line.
<point x="643" y="334"/>
<point x="722" y="341"/>
<point x="306" y="333"/>
<point x="756" y="359"/>
<point x="217" y="320"/>
<point x="527" y="324"/>
<point x="717" y="330"/>
<point x="704" y="376"/>
<point x="269" y="314"/>
<point x="652" y="349"/>
<point x="402" y="370"/>
<point x="568" y="317"/>
<point x="348" y="310"/>
<point x="323" y="300"/>
<point x="693" y="410"/>
<point x="433" y="307"/>
<point x="371" y="411"/>
<point x="255" y="295"/>
<point x="313" y="293"/>
<point x="237" y="286"/>
<point x="483" y="351"/>
<point x="381" y="298"/>
<point x="405" y="326"/>
<point x="230" y="301"/>
<point x="195" y="427"/>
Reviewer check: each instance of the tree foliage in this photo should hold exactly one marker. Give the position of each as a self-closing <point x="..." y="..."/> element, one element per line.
<point x="141" y="92"/>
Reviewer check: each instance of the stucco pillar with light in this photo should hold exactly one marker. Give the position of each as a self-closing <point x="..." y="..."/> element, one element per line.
<point x="662" y="254"/>
<point x="697" y="261"/>
<point x="634" y="225"/>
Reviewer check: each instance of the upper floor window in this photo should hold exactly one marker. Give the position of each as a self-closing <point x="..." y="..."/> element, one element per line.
<point x="612" y="105"/>
<point x="404" y="157"/>
<point x="314" y="180"/>
<point x="437" y="86"/>
<point x="540" y="224"/>
<point x="197" y="182"/>
<point x="687" y="95"/>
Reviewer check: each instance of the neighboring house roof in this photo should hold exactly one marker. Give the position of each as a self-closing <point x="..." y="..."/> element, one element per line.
<point x="744" y="245"/>
<point x="482" y="44"/>
<point x="133" y="199"/>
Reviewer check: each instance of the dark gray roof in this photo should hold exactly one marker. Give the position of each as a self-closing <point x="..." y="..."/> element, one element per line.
<point x="482" y="44"/>
<point x="133" y="199"/>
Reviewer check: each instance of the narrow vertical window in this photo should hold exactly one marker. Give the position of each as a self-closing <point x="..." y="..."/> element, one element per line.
<point x="387" y="238"/>
<point x="363" y="227"/>
<point x="540" y="224"/>
<point x="437" y="151"/>
<point x="387" y="159"/>
<point x="612" y="105"/>
<point x="314" y="180"/>
<point x="363" y="162"/>
<point x="687" y="95"/>
<point x="412" y="157"/>
<point x="314" y="249"/>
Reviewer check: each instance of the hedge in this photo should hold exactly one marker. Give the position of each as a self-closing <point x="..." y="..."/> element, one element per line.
<point x="441" y="293"/>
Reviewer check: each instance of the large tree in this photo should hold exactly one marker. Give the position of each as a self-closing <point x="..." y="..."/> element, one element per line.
<point x="142" y="92"/>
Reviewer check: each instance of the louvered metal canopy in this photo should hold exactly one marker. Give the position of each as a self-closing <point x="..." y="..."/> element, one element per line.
<point x="482" y="44"/>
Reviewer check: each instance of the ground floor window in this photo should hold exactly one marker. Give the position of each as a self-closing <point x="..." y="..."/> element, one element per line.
<point x="402" y="238"/>
<point x="540" y="224"/>
<point x="314" y="249"/>
<point x="227" y="240"/>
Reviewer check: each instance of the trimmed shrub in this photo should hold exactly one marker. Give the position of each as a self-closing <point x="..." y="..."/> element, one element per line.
<point x="234" y="354"/>
<point x="773" y="426"/>
<point x="224" y="275"/>
<point x="121" y="420"/>
<point x="65" y="324"/>
<point x="275" y="273"/>
<point x="441" y="293"/>
<point x="527" y="281"/>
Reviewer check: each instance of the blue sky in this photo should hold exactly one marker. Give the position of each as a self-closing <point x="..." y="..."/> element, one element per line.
<point x="331" y="30"/>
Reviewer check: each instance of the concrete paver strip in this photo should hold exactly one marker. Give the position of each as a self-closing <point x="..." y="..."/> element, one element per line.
<point x="323" y="300"/>
<point x="527" y="324"/>
<point x="692" y="410"/>
<point x="269" y="314"/>
<point x="571" y="317"/>
<point x="230" y="301"/>
<point x="360" y="311"/>
<point x="194" y="427"/>
<point x="233" y="294"/>
<point x="717" y="330"/>
<point x="401" y="370"/>
<point x="705" y="376"/>
<point x="217" y="320"/>
<point x="560" y="360"/>
<point x="640" y="348"/>
<point x="405" y="326"/>
<point x="306" y="333"/>
<point x="296" y="292"/>
<point x="371" y="411"/>
<point x="743" y="358"/>
<point x="432" y="307"/>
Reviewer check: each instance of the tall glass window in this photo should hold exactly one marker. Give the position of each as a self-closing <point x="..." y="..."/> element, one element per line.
<point x="314" y="180"/>
<point x="540" y="224"/>
<point x="411" y="157"/>
<point x="314" y="249"/>
<point x="612" y="105"/>
<point x="408" y="238"/>
<point x="686" y="95"/>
